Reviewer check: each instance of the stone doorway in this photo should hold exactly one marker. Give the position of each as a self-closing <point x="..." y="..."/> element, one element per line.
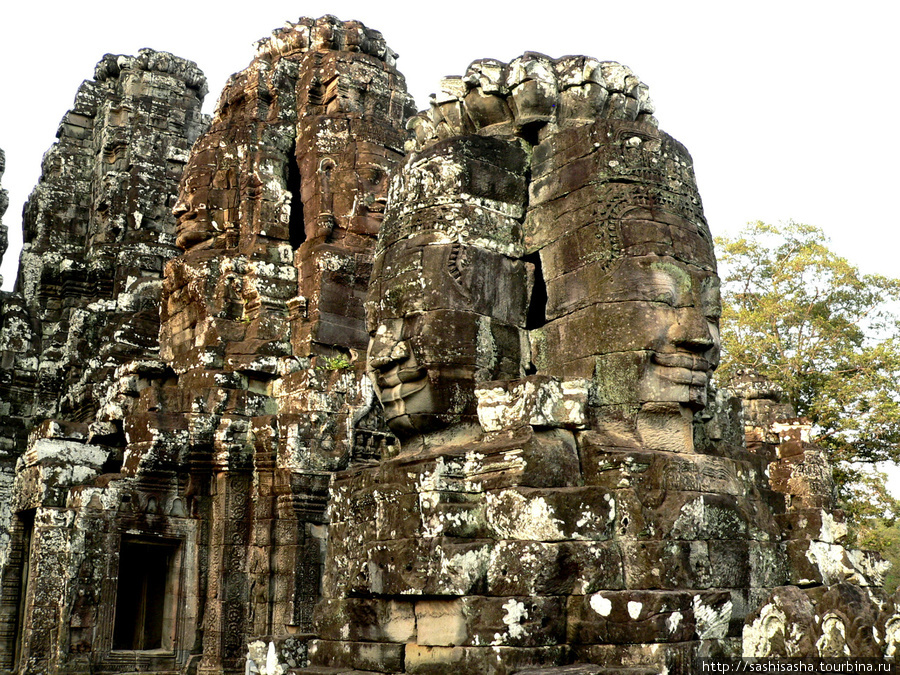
<point x="146" y="595"/>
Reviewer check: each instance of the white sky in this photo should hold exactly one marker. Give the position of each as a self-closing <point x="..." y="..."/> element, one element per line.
<point x="780" y="103"/>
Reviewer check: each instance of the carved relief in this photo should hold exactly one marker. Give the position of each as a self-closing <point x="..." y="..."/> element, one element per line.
<point x="528" y="468"/>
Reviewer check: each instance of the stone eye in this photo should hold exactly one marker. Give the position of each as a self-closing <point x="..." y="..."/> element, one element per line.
<point x="373" y="176"/>
<point x="666" y="297"/>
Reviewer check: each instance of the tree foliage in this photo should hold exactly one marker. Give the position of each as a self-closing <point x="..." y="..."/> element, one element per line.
<point x="873" y="518"/>
<point x="803" y="316"/>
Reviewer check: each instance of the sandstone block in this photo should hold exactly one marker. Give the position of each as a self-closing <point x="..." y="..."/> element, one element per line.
<point x="558" y="568"/>
<point x="374" y="656"/>
<point x="536" y="401"/>
<point x="623" y="617"/>
<point x="366" y="620"/>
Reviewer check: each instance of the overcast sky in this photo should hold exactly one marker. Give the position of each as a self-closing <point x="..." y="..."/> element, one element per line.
<point x="783" y="105"/>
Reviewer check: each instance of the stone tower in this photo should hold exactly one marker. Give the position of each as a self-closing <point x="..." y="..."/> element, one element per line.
<point x="185" y="416"/>
<point x="98" y="229"/>
<point x="567" y="496"/>
<point x="263" y="324"/>
<point x="323" y="385"/>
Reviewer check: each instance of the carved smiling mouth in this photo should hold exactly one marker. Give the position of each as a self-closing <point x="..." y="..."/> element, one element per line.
<point x="399" y="384"/>
<point x="376" y="207"/>
<point x="681" y="360"/>
<point x="394" y="395"/>
<point x="686" y="368"/>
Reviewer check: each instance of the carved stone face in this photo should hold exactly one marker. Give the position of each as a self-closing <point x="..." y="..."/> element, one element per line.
<point x="419" y="389"/>
<point x="673" y="319"/>
<point x="442" y="317"/>
<point x="647" y="327"/>
<point x="195" y="220"/>
<point x="668" y="312"/>
<point x="372" y="187"/>
<point x="352" y="186"/>
<point x="447" y="301"/>
<point x="632" y="291"/>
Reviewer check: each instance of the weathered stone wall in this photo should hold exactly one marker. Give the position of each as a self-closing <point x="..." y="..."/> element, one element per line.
<point x="17" y="375"/>
<point x="219" y="449"/>
<point x="427" y="392"/>
<point x="604" y="509"/>
<point x="11" y="424"/>
<point x="830" y="604"/>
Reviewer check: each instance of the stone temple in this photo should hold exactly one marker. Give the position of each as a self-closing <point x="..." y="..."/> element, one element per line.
<point x="326" y="385"/>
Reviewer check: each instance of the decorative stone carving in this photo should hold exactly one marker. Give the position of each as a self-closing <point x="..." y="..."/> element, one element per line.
<point x="391" y="392"/>
<point x="543" y="320"/>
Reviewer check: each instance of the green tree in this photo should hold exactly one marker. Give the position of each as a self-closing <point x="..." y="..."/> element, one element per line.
<point x="803" y="316"/>
<point x="873" y="519"/>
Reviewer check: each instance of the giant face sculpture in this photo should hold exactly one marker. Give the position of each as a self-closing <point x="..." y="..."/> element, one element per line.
<point x="446" y="307"/>
<point x="289" y="158"/>
<point x="443" y="325"/>
<point x="663" y="313"/>
<point x="624" y="253"/>
<point x="367" y="211"/>
<point x="628" y="261"/>
<point x="198" y="219"/>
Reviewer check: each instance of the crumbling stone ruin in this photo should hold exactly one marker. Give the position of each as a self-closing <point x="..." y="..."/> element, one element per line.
<point x="79" y="335"/>
<point x="326" y="385"/>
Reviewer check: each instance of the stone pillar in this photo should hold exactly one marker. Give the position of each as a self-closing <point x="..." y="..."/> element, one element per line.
<point x="226" y="606"/>
<point x="43" y="640"/>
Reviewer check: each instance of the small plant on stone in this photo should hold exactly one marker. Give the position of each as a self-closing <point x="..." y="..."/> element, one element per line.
<point x="338" y="362"/>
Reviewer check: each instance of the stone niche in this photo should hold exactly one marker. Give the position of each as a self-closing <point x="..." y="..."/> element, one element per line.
<point x="322" y="384"/>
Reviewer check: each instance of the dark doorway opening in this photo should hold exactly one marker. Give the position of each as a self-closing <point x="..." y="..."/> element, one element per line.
<point x="296" y="225"/>
<point x="537" y="304"/>
<point x="145" y="598"/>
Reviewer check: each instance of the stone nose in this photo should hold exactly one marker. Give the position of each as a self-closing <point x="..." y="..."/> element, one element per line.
<point x="184" y="210"/>
<point x="181" y="207"/>
<point x="385" y="354"/>
<point x="693" y="332"/>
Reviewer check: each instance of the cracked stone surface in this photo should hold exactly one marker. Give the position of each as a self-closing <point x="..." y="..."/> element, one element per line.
<point x="322" y="384"/>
